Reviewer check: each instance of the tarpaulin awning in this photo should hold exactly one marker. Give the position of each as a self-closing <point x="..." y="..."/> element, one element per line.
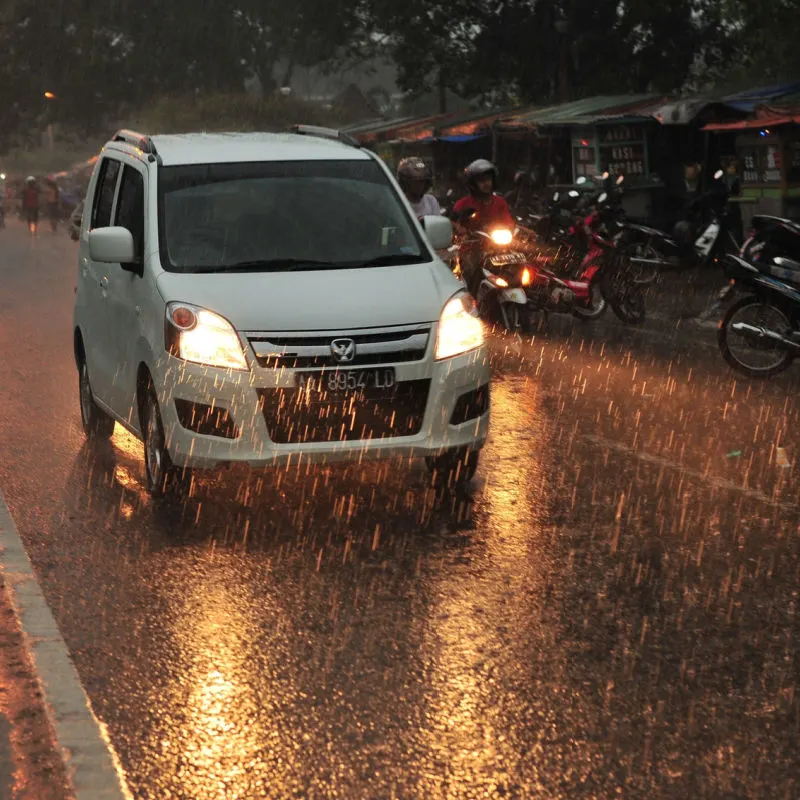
<point x="753" y="124"/>
<point x="750" y="99"/>
<point x="465" y="137"/>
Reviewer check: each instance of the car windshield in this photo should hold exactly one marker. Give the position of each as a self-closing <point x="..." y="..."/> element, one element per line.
<point x="282" y="216"/>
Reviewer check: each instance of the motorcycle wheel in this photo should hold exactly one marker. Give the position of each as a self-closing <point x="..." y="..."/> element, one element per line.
<point x="625" y="297"/>
<point x="598" y="306"/>
<point x="776" y="359"/>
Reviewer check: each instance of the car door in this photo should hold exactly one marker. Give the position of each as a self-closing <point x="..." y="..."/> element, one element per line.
<point x="94" y="280"/>
<point x="124" y="294"/>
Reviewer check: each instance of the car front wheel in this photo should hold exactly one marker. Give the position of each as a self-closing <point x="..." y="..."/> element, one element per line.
<point x="161" y="474"/>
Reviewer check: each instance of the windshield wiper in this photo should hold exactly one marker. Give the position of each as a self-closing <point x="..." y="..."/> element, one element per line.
<point x="395" y="259"/>
<point x="291" y="264"/>
<point x="268" y="264"/>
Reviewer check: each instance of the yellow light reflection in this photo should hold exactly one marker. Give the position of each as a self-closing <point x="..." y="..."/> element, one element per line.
<point x="466" y="632"/>
<point x="220" y="728"/>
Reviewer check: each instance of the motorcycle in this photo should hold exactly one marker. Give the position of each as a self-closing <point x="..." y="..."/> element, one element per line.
<point x="515" y="285"/>
<point x="588" y="246"/>
<point x="766" y="320"/>
<point x="774" y="241"/>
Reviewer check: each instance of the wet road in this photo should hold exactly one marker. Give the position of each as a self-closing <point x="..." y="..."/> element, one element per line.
<point x="612" y="613"/>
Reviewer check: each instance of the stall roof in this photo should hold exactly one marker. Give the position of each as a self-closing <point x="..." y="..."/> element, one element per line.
<point x="752" y="98"/>
<point x="772" y="121"/>
<point x="372" y="129"/>
<point x="591" y="110"/>
<point x="470" y="124"/>
<point x="684" y="111"/>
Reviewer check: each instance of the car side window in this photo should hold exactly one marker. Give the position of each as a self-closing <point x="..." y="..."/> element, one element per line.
<point x="130" y="207"/>
<point x="104" y="194"/>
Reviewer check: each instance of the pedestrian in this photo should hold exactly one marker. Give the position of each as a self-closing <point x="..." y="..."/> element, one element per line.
<point x="30" y="204"/>
<point x="53" y="200"/>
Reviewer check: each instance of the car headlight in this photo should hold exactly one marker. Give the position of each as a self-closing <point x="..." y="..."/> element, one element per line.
<point x="460" y="327"/>
<point x="203" y="337"/>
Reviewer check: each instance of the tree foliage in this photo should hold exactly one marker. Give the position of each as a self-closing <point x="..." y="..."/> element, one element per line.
<point x="101" y="58"/>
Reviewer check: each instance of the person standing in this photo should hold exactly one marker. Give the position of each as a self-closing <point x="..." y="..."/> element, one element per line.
<point x="30" y="204"/>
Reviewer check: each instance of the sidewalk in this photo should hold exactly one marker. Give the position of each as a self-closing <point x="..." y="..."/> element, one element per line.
<point x="30" y="765"/>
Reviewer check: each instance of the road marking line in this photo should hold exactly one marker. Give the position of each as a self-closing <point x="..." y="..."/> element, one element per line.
<point x="92" y="766"/>
<point x="717" y="483"/>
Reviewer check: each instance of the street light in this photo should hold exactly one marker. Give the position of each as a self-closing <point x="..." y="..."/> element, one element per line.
<point x="50" y="137"/>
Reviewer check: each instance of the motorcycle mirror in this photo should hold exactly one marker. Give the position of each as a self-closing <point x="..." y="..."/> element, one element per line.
<point x="556" y="196"/>
<point x="573" y="193"/>
<point x="620" y="180"/>
<point x="718" y="174"/>
<point x="603" y="197"/>
<point x="581" y="180"/>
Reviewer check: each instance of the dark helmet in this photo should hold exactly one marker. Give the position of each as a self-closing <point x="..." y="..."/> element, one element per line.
<point x="683" y="232"/>
<point x="523" y="178"/>
<point x="477" y="170"/>
<point x="414" y="177"/>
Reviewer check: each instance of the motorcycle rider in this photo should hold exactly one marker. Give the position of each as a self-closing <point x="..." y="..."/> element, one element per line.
<point x="491" y="209"/>
<point x="415" y="179"/>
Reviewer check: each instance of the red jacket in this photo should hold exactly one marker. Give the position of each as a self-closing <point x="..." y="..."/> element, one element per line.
<point x="492" y="212"/>
<point x="30" y="197"/>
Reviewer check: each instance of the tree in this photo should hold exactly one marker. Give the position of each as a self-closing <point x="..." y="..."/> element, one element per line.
<point x="765" y="37"/>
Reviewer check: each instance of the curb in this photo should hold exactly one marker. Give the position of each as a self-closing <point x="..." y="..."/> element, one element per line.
<point x="91" y="765"/>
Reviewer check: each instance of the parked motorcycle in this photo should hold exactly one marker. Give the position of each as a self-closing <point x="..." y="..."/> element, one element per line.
<point x="759" y="335"/>
<point x="583" y="233"/>
<point x="691" y="244"/>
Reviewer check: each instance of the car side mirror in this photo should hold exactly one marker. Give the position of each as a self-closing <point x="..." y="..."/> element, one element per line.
<point x="112" y="246"/>
<point x="439" y="231"/>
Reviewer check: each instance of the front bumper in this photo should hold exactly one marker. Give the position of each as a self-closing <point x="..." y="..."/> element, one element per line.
<point x="242" y="394"/>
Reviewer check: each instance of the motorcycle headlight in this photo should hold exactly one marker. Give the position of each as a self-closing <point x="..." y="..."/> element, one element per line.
<point x="502" y="236"/>
<point x="202" y="337"/>
<point x="460" y="327"/>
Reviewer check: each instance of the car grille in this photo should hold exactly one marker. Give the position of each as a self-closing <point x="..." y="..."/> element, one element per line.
<point x="295" y="417"/>
<point x="276" y="351"/>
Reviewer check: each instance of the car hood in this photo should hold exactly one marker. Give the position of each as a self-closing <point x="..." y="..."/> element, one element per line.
<point x="318" y="300"/>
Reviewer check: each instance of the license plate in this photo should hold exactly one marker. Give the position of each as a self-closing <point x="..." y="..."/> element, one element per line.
<point x="347" y="381"/>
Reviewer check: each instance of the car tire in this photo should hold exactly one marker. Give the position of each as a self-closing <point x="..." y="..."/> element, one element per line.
<point x="97" y="425"/>
<point x="161" y="475"/>
<point x="454" y="468"/>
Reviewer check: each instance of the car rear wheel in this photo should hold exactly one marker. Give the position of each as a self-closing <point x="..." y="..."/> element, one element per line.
<point x="97" y="425"/>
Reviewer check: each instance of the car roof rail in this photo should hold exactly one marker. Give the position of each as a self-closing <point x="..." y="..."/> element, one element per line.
<point x="325" y="133"/>
<point x="144" y="143"/>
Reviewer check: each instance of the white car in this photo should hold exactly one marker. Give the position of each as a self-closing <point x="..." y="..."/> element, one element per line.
<point x="270" y="299"/>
